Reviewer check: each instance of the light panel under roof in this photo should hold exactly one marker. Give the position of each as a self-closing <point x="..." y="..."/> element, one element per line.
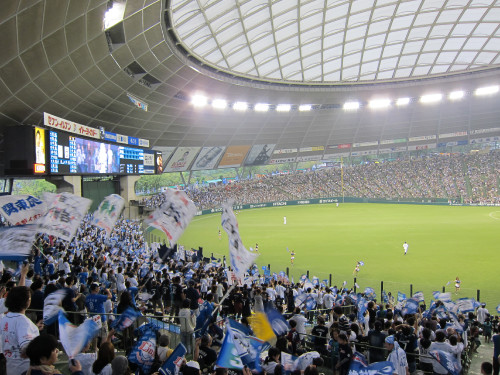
<point x="394" y="40"/>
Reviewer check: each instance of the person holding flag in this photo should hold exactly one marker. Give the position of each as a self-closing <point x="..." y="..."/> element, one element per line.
<point x="397" y="356"/>
<point x="292" y="256"/>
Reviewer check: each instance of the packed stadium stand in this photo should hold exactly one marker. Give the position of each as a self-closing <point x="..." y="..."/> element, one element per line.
<point x="461" y="178"/>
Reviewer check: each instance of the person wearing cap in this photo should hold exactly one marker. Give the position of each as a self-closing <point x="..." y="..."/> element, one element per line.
<point x="397" y="356"/>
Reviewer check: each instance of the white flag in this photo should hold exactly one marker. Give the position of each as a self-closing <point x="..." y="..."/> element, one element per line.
<point x="65" y="212"/>
<point x="52" y="305"/>
<point x="21" y="209"/>
<point x="241" y="258"/>
<point x="174" y="215"/>
<point x="75" y="338"/>
<point x="16" y="242"/>
<point x="109" y="211"/>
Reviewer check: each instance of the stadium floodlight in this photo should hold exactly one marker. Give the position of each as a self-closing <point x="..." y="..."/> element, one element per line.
<point x="114" y="14"/>
<point x="305" y="107"/>
<point x="488" y="90"/>
<point x="402" y="101"/>
<point x="240" y="106"/>
<point x="379" y="103"/>
<point x="431" y="98"/>
<point x="261" y="107"/>
<point x="349" y="106"/>
<point x="199" y="100"/>
<point x="219" y="103"/>
<point x="283" y="108"/>
<point x="456" y="95"/>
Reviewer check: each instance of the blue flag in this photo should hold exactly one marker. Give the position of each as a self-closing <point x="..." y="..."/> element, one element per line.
<point x="466" y="305"/>
<point x="174" y="361"/>
<point x="143" y="353"/>
<point x="370" y="293"/>
<point x="228" y="355"/>
<point x="447" y="360"/>
<point x="401" y="297"/>
<point x="359" y="366"/>
<point x="419" y="296"/>
<point x="247" y="347"/>
<point x="278" y="322"/>
<point x="75" y="338"/>
<point x="385" y="299"/>
<point x="362" y="307"/>
<point x="204" y="318"/>
<point x="126" y="319"/>
<point x="411" y="307"/>
<point x="498" y="309"/>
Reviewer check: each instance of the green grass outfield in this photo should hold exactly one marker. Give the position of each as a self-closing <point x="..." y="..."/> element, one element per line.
<point x="444" y="242"/>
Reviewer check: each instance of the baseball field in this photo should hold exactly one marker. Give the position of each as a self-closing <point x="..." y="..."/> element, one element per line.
<point x="444" y="242"/>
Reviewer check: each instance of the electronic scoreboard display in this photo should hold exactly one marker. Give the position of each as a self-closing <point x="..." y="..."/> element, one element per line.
<point x="73" y="155"/>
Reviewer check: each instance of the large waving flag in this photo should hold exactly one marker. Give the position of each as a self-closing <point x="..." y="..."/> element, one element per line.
<point x="427" y="314"/>
<point x="173" y="216"/>
<point x="261" y="326"/>
<point x="21" y="209"/>
<point x="447" y="360"/>
<point x="126" y="319"/>
<point x="228" y="355"/>
<point x="418" y="296"/>
<point x="442" y="296"/>
<point x="108" y="212"/>
<point x="65" y="212"/>
<point x="241" y="258"/>
<point x="52" y="306"/>
<point x="173" y="363"/>
<point x="465" y="305"/>
<point x="278" y="323"/>
<point x="143" y="353"/>
<point x="370" y="293"/>
<point x="247" y="347"/>
<point x="411" y="307"/>
<point x="16" y="242"/>
<point x="75" y="338"/>
<point x="359" y="366"/>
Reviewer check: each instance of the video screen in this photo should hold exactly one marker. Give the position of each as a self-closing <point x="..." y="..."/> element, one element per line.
<point x="96" y="157"/>
<point x="73" y="155"/>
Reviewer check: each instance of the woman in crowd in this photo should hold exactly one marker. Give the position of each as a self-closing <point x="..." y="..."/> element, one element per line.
<point x="42" y="352"/>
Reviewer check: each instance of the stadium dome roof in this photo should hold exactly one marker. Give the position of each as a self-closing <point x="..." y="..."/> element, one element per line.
<point x="61" y="57"/>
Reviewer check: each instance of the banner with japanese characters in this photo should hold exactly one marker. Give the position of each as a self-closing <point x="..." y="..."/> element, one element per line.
<point x="64" y="215"/>
<point x="16" y="242"/>
<point x="109" y="211"/>
<point x="21" y="209"/>
<point x="241" y="258"/>
<point x="174" y="215"/>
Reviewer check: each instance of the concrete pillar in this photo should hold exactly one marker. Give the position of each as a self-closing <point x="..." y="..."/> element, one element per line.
<point x="67" y="184"/>
<point x="127" y="191"/>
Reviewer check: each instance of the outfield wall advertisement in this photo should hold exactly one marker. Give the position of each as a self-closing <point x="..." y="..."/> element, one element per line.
<point x="435" y="201"/>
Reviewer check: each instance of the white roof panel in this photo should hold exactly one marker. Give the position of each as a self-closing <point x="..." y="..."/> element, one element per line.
<point x="318" y="41"/>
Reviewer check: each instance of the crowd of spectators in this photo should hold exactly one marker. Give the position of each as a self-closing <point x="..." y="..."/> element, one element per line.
<point x="460" y="178"/>
<point x="107" y="275"/>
